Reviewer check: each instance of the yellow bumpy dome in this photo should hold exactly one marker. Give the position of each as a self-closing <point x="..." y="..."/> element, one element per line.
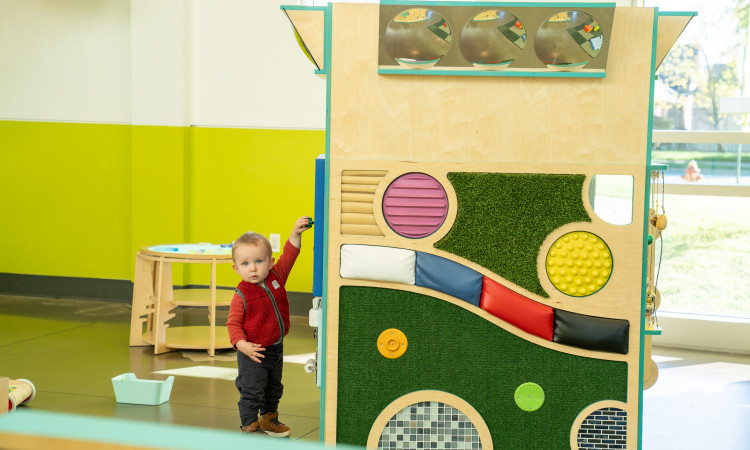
<point x="579" y="263"/>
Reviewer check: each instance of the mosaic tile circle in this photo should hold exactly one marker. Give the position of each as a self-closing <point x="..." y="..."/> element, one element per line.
<point x="604" y="428"/>
<point x="430" y="425"/>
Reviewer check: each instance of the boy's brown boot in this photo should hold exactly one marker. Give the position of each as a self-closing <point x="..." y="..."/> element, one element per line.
<point x="269" y="422"/>
<point x="253" y="428"/>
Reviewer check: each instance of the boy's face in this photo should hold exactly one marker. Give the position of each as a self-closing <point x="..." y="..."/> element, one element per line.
<point x="252" y="263"/>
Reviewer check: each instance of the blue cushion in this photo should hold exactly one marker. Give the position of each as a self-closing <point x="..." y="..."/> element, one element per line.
<point x="448" y="277"/>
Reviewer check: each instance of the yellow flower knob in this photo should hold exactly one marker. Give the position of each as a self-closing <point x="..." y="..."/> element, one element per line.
<point x="392" y="343"/>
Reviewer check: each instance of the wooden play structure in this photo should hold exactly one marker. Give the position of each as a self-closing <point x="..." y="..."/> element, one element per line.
<point x="154" y="299"/>
<point x="477" y="289"/>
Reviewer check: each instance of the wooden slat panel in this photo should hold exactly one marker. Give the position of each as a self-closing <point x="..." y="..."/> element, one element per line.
<point x="360" y="198"/>
<point x="365" y="230"/>
<point x="361" y="179"/>
<point x="353" y="207"/>
<point x="362" y="188"/>
<point x="364" y="173"/>
<point x="358" y="219"/>
<point x="358" y="189"/>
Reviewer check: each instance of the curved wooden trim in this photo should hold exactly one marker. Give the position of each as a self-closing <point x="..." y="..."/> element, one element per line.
<point x="429" y="396"/>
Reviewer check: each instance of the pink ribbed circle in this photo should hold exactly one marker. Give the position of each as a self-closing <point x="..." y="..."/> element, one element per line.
<point x="415" y="205"/>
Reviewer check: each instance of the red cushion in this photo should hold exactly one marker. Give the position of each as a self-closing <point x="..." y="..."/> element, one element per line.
<point x="522" y="312"/>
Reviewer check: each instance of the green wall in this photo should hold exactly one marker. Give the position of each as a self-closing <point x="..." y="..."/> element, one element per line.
<point x="80" y="199"/>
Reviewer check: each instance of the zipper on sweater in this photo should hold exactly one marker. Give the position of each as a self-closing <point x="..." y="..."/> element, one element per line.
<point x="276" y="310"/>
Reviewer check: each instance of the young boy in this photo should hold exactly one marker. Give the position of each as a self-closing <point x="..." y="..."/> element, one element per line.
<point x="258" y="321"/>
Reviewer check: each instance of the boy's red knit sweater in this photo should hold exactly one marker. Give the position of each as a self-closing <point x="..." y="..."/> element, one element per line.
<point x="263" y="318"/>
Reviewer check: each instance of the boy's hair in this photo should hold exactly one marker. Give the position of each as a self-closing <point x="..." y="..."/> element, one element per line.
<point x="251" y="238"/>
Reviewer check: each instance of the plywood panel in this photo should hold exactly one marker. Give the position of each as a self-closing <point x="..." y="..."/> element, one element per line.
<point x="670" y="28"/>
<point x="428" y="118"/>
<point x="438" y="124"/>
<point x="310" y="26"/>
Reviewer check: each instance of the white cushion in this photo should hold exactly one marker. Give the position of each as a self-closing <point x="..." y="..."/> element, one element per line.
<point x="370" y="262"/>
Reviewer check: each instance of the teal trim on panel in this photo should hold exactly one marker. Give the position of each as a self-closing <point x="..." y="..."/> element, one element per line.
<point x="654" y="332"/>
<point x="562" y="6"/>
<point x="323" y="334"/>
<point x="490" y="73"/>
<point x="306" y="8"/>
<point x="658" y="167"/>
<point x="678" y="13"/>
<point x="320" y="72"/>
<point x="646" y="202"/>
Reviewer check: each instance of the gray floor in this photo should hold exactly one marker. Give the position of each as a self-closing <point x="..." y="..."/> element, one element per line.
<point x="70" y="349"/>
<point x="700" y="401"/>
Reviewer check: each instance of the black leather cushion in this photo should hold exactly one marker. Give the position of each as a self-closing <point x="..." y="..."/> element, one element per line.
<point x="592" y="333"/>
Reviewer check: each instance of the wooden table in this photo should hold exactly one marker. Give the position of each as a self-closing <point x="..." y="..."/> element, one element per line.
<point x="154" y="299"/>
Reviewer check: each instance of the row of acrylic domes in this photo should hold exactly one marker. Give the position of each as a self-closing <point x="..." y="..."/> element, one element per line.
<point x="493" y="39"/>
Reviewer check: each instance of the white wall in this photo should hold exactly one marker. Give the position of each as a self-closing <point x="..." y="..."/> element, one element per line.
<point x="249" y="70"/>
<point x="710" y="333"/>
<point x="65" y="60"/>
<point x="226" y="63"/>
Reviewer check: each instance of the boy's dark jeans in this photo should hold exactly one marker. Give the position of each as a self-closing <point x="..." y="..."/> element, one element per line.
<point x="259" y="384"/>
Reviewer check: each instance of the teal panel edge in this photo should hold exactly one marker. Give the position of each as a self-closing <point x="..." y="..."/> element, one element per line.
<point x="653" y="332"/>
<point x="306" y="8"/>
<point x="658" y="166"/>
<point x="323" y="334"/>
<point x="678" y="13"/>
<point x="476" y="73"/>
<point x="515" y="4"/>
<point x="644" y="251"/>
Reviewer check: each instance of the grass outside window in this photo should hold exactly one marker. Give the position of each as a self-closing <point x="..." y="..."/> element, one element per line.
<point x="706" y="256"/>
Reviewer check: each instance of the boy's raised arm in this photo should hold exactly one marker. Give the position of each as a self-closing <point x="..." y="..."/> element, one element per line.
<point x="300" y="226"/>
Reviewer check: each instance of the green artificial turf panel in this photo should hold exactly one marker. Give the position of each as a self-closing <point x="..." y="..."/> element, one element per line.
<point x="503" y="218"/>
<point x="453" y="350"/>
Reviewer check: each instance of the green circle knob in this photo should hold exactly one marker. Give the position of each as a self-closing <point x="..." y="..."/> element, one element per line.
<point x="529" y="396"/>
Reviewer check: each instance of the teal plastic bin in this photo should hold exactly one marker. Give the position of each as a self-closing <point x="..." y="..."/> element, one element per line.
<point x="129" y="389"/>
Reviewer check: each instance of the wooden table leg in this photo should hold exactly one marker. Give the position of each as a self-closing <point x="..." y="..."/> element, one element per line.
<point x="164" y="304"/>
<point x="212" y="311"/>
<point x="143" y="300"/>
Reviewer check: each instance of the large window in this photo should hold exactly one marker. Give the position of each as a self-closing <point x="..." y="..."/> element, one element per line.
<point x="706" y="247"/>
<point x="708" y="63"/>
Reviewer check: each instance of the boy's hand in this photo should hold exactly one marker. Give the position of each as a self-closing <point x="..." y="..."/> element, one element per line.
<point x="251" y="350"/>
<point x="302" y="224"/>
